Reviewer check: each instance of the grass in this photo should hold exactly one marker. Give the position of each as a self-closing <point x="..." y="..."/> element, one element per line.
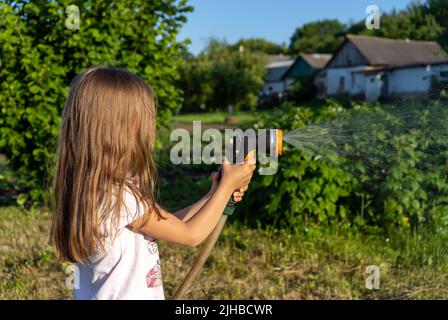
<point x="28" y="266"/>
<point x="244" y="118"/>
<point x="246" y="264"/>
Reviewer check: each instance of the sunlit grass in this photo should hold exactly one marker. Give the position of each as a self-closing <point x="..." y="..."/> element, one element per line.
<point x="243" y="118"/>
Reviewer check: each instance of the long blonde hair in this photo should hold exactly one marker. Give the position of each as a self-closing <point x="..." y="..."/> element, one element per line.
<point x="106" y="137"/>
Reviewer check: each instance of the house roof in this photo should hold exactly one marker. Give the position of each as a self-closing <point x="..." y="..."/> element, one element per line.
<point x="280" y="60"/>
<point x="316" y="60"/>
<point x="396" y="53"/>
<point x="277" y="66"/>
<point x="273" y="58"/>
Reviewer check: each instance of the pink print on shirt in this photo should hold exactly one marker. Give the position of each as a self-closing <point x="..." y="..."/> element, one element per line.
<point x="154" y="276"/>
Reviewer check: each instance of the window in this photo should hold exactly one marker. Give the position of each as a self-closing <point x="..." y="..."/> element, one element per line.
<point x="444" y="74"/>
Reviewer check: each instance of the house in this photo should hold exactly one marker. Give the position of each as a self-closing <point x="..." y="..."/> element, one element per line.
<point x="306" y="65"/>
<point x="273" y="82"/>
<point x="283" y="70"/>
<point x="370" y="68"/>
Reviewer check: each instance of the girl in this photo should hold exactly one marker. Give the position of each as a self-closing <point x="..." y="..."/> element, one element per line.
<point x="106" y="218"/>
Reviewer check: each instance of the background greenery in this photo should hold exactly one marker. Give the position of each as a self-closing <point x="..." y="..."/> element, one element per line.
<point x="40" y="57"/>
<point x="392" y="173"/>
<point x="222" y="76"/>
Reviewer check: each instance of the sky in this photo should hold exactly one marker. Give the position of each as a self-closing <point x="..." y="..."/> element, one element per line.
<point x="274" y="20"/>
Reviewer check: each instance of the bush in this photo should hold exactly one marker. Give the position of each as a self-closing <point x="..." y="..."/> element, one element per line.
<point x="305" y="190"/>
<point x="40" y="57"/>
<point x="304" y="89"/>
<point x="385" y="169"/>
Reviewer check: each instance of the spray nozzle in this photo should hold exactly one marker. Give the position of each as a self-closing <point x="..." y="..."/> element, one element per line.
<point x="268" y="142"/>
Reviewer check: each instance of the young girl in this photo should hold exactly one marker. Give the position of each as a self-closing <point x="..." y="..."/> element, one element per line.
<point x="106" y="217"/>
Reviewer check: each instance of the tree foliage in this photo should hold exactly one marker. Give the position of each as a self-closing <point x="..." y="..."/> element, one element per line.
<point x="323" y="36"/>
<point x="221" y="76"/>
<point x="40" y="56"/>
<point x="419" y="21"/>
<point x="439" y="9"/>
<point x="260" y="45"/>
<point x="388" y="171"/>
<point x="416" y="22"/>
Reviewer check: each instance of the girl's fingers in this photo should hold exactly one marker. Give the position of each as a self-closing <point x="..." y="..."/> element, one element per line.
<point x="215" y="176"/>
<point x="237" y="196"/>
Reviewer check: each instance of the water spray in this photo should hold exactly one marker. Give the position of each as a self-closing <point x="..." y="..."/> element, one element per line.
<point x="240" y="147"/>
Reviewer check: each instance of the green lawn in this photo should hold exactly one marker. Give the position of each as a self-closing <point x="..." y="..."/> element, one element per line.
<point x="244" y="118"/>
<point x="246" y="264"/>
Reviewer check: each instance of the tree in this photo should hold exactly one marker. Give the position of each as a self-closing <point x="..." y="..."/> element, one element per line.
<point x="40" y="56"/>
<point x="439" y="9"/>
<point x="221" y="76"/>
<point x="415" y="22"/>
<point x="196" y="83"/>
<point x="323" y="36"/>
<point x="260" y="45"/>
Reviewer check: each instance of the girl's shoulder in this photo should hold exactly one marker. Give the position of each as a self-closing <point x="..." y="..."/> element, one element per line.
<point x="130" y="209"/>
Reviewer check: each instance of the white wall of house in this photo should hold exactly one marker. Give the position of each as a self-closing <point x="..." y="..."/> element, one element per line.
<point x="337" y="79"/>
<point x="358" y="83"/>
<point x="345" y="80"/>
<point x="273" y="88"/>
<point x="410" y="80"/>
<point x="404" y="81"/>
<point x="416" y="79"/>
<point x="373" y="87"/>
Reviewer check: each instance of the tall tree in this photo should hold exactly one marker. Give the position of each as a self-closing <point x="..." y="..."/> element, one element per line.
<point x="439" y="9"/>
<point x="321" y="36"/>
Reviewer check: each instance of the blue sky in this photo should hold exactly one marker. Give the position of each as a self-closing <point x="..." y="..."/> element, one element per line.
<point x="274" y="20"/>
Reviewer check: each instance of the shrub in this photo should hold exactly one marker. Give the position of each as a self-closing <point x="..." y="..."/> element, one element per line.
<point x="388" y="170"/>
<point x="40" y="57"/>
<point x="305" y="190"/>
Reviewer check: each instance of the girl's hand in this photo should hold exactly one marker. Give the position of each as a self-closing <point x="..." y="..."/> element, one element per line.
<point x="236" y="176"/>
<point x="238" y="194"/>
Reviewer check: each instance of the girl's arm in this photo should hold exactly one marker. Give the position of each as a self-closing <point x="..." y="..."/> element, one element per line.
<point x="193" y="231"/>
<point x="186" y="213"/>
